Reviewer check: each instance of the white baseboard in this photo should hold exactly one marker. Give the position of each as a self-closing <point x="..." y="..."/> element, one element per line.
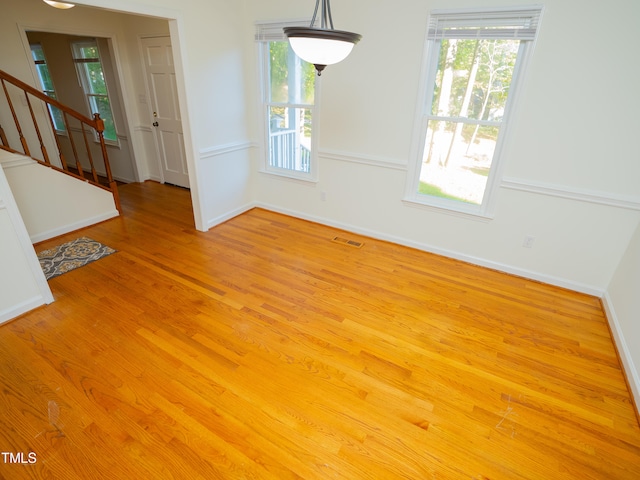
<point x="23" y="307"/>
<point x="56" y="232"/>
<point x="153" y="178"/>
<point x="623" y="349"/>
<point x="549" y="279"/>
<point x="229" y="215"/>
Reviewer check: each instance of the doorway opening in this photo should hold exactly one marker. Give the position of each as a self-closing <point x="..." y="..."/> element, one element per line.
<point x="144" y="139"/>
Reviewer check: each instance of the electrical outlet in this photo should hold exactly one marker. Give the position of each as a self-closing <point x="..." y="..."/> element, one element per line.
<point x="323" y="196"/>
<point x="528" y="241"/>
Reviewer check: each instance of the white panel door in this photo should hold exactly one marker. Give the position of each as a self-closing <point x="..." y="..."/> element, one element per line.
<point x="167" y="123"/>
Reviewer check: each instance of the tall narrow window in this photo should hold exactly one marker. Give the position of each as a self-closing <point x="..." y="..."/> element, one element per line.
<point x="46" y="84"/>
<point x="473" y="63"/>
<point x="87" y="59"/>
<point x="289" y="85"/>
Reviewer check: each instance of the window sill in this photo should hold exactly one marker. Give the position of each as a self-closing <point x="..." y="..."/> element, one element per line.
<point x="470" y="213"/>
<point x="307" y="180"/>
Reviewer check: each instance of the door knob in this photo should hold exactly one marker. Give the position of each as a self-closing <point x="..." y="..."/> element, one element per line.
<point x="155" y="124"/>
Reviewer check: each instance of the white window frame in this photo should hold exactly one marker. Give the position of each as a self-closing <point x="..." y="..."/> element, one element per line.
<point x="84" y="83"/>
<point x="268" y="32"/>
<point x="438" y="24"/>
<point x="47" y="92"/>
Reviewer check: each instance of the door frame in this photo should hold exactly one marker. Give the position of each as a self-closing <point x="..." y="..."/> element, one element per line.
<point x="178" y="42"/>
<point x="148" y="93"/>
<point x="121" y="84"/>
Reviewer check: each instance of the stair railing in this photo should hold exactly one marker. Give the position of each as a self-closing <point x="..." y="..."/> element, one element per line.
<point x="83" y="166"/>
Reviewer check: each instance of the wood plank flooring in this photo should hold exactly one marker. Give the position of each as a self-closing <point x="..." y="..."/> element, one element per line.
<point x="263" y="350"/>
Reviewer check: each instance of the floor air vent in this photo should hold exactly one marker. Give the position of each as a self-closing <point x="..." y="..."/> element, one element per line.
<point x="346" y="241"/>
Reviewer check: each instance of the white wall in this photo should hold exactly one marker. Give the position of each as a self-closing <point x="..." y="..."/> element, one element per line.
<point x="22" y="283"/>
<point x="622" y="302"/>
<point x="572" y="167"/>
<point x="40" y="192"/>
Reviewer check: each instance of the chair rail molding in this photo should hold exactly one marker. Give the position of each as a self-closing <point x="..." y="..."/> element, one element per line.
<point x="218" y="150"/>
<point x="372" y="160"/>
<point x="580" y="195"/>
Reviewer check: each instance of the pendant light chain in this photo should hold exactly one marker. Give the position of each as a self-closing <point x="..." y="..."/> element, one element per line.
<point x="324" y="45"/>
<point x="326" y="18"/>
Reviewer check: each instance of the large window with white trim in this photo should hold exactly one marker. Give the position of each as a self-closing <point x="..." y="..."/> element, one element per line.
<point x="288" y="98"/>
<point x="86" y="57"/>
<point x="473" y="66"/>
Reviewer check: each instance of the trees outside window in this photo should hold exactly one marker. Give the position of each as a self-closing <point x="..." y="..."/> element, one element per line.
<point x="87" y="59"/>
<point x="289" y="95"/>
<point x="46" y="84"/>
<point x="474" y="60"/>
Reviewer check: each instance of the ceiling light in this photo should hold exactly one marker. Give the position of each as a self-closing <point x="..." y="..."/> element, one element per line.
<point x="321" y="46"/>
<point x="61" y="5"/>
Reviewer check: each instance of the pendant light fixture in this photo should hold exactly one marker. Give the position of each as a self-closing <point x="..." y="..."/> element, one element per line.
<point x="61" y="5"/>
<point x="321" y="46"/>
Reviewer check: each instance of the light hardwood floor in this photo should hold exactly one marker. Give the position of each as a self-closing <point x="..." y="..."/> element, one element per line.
<point x="263" y="350"/>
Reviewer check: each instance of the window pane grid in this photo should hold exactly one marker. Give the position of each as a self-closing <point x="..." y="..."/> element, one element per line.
<point x="472" y="63"/>
<point x="291" y="105"/>
<point x="472" y="82"/>
<point x="289" y="97"/>
<point x="468" y="120"/>
<point x="46" y="84"/>
<point x="457" y="160"/>
<point x="290" y="138"/>
<point x="87" y="59"/>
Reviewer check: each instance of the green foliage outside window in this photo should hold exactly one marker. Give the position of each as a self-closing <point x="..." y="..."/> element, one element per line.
<point x="87" y="58"/>
<point x="46" y="83"/>
<point x="472" y="84"/>
<point x="494" y="60"/>
<point x="280" y="55"/>
<point x="290" y="98"/>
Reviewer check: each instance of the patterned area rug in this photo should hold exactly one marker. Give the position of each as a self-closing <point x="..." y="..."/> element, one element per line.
<point x="71" y="255"/>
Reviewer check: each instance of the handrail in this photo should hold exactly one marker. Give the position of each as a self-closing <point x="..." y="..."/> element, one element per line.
<point x="70" y="117"/>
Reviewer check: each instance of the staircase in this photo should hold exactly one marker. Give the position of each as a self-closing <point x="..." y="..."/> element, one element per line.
<point x="32" y="133"/>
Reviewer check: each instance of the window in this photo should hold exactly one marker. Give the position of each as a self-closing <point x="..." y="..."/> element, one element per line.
<point x="288" y="94"/>
<point x="87" y="59"/>
<point x="473" y="62"/>
<point x="46" y="84"/>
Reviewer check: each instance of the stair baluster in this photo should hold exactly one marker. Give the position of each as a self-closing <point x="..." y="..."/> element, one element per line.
<point x="70" y="118"/>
